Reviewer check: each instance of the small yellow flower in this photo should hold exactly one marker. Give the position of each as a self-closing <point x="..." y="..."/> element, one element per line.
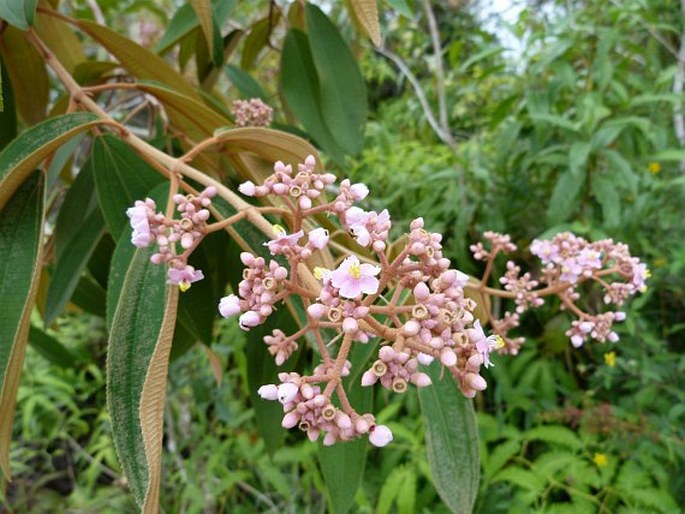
<point x="600" y="460"/>
<point x="654" y="167"/>
<point x="610" y="359"/>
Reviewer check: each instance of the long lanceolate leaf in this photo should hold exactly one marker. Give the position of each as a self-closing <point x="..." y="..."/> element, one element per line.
<point x="21" y="224"/>
<point x="23" y="155"/>
<point x="452" y="441"/>
<point x="137" y="364"/>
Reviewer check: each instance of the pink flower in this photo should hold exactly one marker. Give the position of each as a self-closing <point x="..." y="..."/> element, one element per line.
<point x="484" y="345"/>
<point x="229" y="306"/>
<point x="141" y="236"/>
<point x="353" y="278"/>
<point x="283" y="240"/>
<point x="183" y="277"/>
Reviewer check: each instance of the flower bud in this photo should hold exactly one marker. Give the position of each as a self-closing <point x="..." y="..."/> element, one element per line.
<point x="411" y="328"/>
<point x="424" y="358"/>
<point x="421" y="380"/>
<point x="421" y="292"/>
<point x="380" y="436"/>
<point x="317" y="310"/>
<point x="229" y="306"/>
<point x="361" y="426"/>
<point x="448" y="357"/>
<point x="359" y="191"/>
<point x="476" y="382"/>
<point x="247" y="188"/>
<point x="350" y="325"/>
<point x="287" y="392"/>
<point x="386" y="354"/>
<point x="268" y="392"/>
<point x="318" y="238"/>
<point x="290" y="420"/>
<point x="249" y="319"/>
<point x="369" y="378"/>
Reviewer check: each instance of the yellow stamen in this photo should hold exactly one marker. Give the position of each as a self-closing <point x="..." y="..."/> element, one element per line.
<point x="279" y="231"/>
<point x="184" y="285"/>
<point x="319" y="273"/>
<point x="499" y="342"/>
<point x="355" y="271"/>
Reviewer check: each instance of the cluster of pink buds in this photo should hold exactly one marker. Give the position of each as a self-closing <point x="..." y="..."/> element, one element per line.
<point x="262" y="286"/>
<point x="302" y="187"/>
<point x="568" y="261"/>
<point x="176" y="238"/>
<point x="251" y="113"/>
<point x="309" y="409"/>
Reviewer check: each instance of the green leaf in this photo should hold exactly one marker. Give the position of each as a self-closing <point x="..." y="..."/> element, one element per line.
<point x="555" y="434"/>
<point x="248" y="87"/>
<point x="451" y="440"/>
<point x="21" y="232"/>
<point x="564" y="194"/>
<point x="62" y="158"/>
<point x="257" y="39"/>
<point x="343" y="91"/>
<point x="8" y="112"/>
<point x="90" y="296"/>
<point x="78" y="230"/>
<point x="604" y="189"/>
<point x="577" y="157"/>
<point x="499" y="457"/>
<point x="391" y="488"/>
<point x="141" y="62"/>
<point x="203" y="11"/>
<point x="23" y="155"/>
<point x="673" y="154"/>
<point x="300" y="85"/>
<point x="50" y="348"/>
<point x="554" y="120"/>
<point x="121" y="178"/>
<point x="185" y="21"/>
<point x="137" y="361"/>
<point x="622" y="169"/>
<point x="19" y="13"/>
<point x="188" y="115"/>
<point x="402" y="7"/>
<point x="24" y="65"/>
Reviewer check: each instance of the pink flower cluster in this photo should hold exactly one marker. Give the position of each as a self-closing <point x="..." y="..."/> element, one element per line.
<point x="569" y="261"/>
<point x="173" y="234"/>
<point x="251" y="113"/>
<point x="425" y="315"/>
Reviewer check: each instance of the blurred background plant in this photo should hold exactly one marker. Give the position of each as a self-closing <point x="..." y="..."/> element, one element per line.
<point x="567" y="118"/>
